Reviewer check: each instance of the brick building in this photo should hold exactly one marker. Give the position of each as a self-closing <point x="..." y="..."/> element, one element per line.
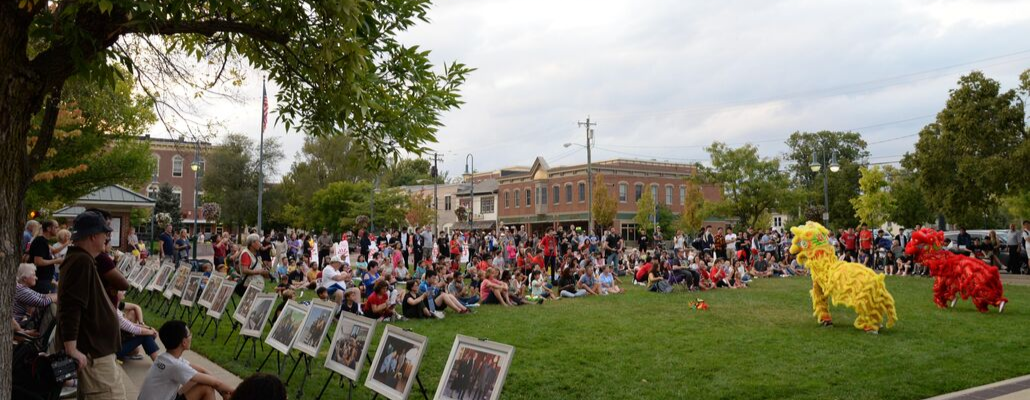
<point x="544" y="197"/>
<point x="173" y="159"/>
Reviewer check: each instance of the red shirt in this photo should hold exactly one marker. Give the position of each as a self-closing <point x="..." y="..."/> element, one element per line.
<point x="643" y="271"/>
<point x="484" y="290"/>
<point x="482" y="266"/>
<point x="849" y="240"/>
<point x="538" y="260"/>
<point x="220" y="249"/>
<point x="375" y="300"/>
<point x="548" y="243"/>
<point x="866" y="239"/>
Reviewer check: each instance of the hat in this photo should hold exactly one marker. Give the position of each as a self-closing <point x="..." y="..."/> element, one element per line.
<point x="335" y="259"/>
<point x="88" y="223"/>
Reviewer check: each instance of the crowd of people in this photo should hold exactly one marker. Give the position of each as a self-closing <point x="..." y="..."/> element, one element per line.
<point x="396" y="274"/>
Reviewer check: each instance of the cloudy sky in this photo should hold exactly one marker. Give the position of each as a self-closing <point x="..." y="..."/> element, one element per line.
<point x="664" y="78"/>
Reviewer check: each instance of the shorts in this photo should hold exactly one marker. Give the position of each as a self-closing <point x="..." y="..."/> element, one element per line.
<point x="491" y="299"/>
<point x="333" y="289"/>
<point x="101" y="379"/>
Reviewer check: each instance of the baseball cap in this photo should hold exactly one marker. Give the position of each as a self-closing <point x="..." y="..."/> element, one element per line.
<point x="89" y="223"/>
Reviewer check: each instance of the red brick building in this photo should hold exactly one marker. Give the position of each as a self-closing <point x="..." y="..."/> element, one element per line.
<point x="544" y="197"/>
<point x="173" y="159"/>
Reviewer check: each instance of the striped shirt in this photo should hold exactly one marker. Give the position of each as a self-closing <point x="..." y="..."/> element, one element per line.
<point x="26" y="299"/>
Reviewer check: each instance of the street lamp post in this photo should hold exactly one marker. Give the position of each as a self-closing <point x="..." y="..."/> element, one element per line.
<point x="817" y="164"/>
<point x="195" y="166"/>
<point x="470" y="170"/>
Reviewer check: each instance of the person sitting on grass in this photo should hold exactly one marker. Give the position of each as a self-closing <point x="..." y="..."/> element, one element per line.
<point x="609" y="282"/>
<point x="378" y="305"/>
<point x="641" y="272"/>
<point x="588" y="282"/>
<point x="334" y="280"/>
<point x="466" y="295"/>
<point x="369" y="278"/>
<point x="260" y="386"/>
<point x="540" y="288"/>
<point x="493" y="291"/>
<point x="414" y="304"/>
<point x="351" y="301"/>
<point x="568" y="284"/>
<point x="440" y="298"/>
<point x="761" y="269"/>
<point x="173" y="378"/>
<point x="656" y="280"/>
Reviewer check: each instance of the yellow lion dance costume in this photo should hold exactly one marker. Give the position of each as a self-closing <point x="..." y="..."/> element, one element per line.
<point x="851" y="284"/>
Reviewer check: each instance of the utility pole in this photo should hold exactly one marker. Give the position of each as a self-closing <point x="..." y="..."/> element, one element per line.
<point x="435" y="173"/>
<point x="590" y="175"/>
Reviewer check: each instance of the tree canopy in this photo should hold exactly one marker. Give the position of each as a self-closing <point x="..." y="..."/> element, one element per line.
<point x="751" y="185"/>
<point x="969" y="161"/>
<point x="874" y="205"/>
<point x="605" y="204"/>
<point x="231" y="176"/>
<point x="842" y="185"/>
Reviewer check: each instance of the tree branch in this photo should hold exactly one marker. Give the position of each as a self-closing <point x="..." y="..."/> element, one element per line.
<point x="46" y="131"/>
<point x="208" y="28"/>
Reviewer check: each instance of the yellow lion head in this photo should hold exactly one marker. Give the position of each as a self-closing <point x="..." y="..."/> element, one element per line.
<point x="809" y="239"/>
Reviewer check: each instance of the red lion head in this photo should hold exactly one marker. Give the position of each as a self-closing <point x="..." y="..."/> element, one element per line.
<point x="924" y="240"/>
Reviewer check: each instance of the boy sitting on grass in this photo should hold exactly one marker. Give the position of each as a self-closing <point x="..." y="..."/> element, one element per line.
<point x="172" y="377"/>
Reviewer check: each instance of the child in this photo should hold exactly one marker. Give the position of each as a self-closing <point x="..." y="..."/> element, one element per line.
<point x="172" y="378"/>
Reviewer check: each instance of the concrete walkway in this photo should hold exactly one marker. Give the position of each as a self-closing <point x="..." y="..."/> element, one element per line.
<point x="133" y="372"/>
<point x="1012" y="389"/>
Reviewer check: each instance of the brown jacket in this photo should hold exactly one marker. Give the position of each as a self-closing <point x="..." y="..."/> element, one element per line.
<point x="84" y="312"/>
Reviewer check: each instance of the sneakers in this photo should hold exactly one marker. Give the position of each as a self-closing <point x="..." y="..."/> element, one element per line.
<point x="472" y="305"/>
<point x="438" y="314"/>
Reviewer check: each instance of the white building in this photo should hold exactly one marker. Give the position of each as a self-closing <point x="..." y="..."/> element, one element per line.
<point x="485" y="200"/>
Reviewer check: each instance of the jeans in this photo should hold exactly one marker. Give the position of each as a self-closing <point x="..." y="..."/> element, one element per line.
<point x="578" y="293"/>
<point x="613" y="259"/>
<point x="130" y="344"/>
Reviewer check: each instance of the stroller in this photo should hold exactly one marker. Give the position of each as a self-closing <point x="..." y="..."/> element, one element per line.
<point x="39" y="373"/>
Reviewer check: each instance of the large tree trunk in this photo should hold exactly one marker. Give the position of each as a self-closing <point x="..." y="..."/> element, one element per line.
<point x="20" y="98"/>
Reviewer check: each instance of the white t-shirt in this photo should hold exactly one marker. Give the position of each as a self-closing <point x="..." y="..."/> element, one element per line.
<point x="165" y="377"/>
<point x="328" y="273"/>
<point x="731" y="241"/>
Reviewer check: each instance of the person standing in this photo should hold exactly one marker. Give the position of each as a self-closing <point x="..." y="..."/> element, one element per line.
<point x="87" y="323"/>
<point x="220" y="248"/>
<point x="427" y="243"/>
<point x="612" y="246"/>
<point x="43" y="257"/>
<point x="417" y="243"/>
<point x="167" y="243"/>
<point x="731" y="244"/>
<point x="26" y="237"/>
<point x="325" y="243"/>
<point x="250" y="266"/>
<point x="182" y="246"/>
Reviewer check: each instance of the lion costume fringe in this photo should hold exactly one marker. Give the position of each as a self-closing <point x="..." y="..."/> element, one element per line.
<point x="851" y="284"/>
<point x="956" y="274"/>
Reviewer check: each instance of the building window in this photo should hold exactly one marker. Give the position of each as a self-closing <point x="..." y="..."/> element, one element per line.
<point x="638" y="192"/>
<point x="529" y="198"/>
<point x="487" y="205"/>
<point x="506" y="203"/>
<point x="654" y="193"/>
<point x="777" y="222"/>
<point x="582" y="192"/>
<point x="447" y="203"/>
<point x="518" y="197"/>
<point x="157" y="168"/>
<point x="568" y="193"/>
<point x="152" y="191"/>
<point x="623" y="188"/>
<point x="556" y="193"/>
<point x="683" y="195"/>
<point x="177" y="192"/>
<point x="629" y="232"/>
<point x="177" y="165"/>
<point x="668" y="195"/>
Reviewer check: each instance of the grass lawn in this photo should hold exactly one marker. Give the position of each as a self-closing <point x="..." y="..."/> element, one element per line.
<point x="761" y="342"/>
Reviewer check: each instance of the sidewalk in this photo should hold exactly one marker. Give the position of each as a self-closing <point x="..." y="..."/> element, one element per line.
<point x="133" y="372"/>
<point x="1012" y="389"/>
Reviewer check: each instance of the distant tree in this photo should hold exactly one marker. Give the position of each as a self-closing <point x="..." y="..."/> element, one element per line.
<point x="751" y="186"/>
<point x="605" y="204"/>
<point x="420" y="211"/>
<point x="875" y="204"/>
<point x="410" y="171"/>
<point x="231" y="177"/>
<point x="169" y="203"/>
<point x="851" y="153"/>
<point x="976" y="151"/>
<point x="645" y="212"/>
<point x="910" y="202"/>
<point x="695" y="209"/>
<point x="461" y="213"/>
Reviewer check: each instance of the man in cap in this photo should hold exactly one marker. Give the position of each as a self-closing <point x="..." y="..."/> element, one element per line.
<point x="87" y="323"/>
<point x="334" y="279"/>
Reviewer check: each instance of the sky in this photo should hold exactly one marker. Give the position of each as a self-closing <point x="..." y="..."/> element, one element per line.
<point x="662" y="79"/>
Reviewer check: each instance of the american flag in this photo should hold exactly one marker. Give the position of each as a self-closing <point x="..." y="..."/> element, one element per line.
<point x="264" y="107"/>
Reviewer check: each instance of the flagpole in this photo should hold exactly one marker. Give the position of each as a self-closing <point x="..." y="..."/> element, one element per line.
<point x="261" y="153"/>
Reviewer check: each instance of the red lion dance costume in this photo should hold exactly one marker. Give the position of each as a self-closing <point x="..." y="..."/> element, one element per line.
<point x="953" y="273"/>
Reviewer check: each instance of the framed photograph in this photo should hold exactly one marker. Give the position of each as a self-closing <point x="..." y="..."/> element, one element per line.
<point x="396" y="363"/>
<point x="125" y="264"/>
<point x="164" y="274"/>
<point x="349" y="345"/>
<point x="135" y="275"/>
<point x="258" y="316"/>
<point x="316" y="324"/>
<point x="241" y="313"/>
<point x="189" y="294"/>
<point x="475" y="370"/>
<point x="146" y="277"/>
<point x="179" y="282"/>
<point x="211" y="288"/>
<point x="221" y="299"/>
<point x="286" y="328"/>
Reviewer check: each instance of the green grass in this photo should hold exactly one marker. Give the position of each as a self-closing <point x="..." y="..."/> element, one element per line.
<point x="760" y="342"/>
